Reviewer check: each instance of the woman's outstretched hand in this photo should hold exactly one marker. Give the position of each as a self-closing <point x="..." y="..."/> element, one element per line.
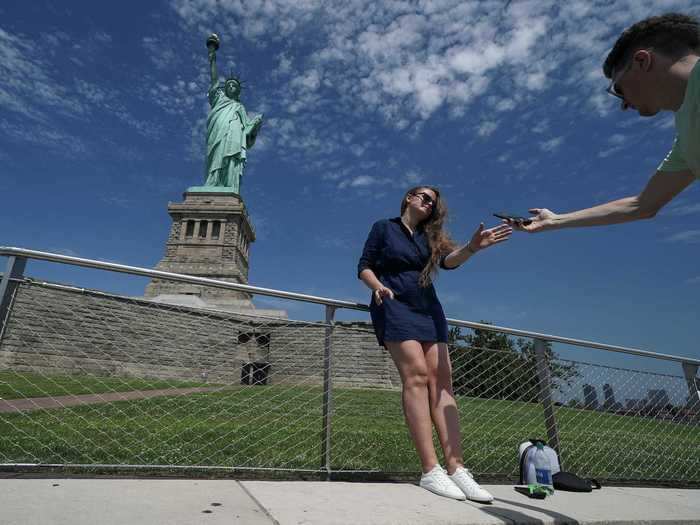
<point x="484" y="238"/>
<point x="381" y="292"/>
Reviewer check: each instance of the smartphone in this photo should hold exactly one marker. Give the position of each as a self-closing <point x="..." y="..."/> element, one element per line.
<point x="513" y="217"/>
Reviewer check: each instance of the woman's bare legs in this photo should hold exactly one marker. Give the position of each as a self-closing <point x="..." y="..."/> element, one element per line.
<point x="410" y="361"/>
<point x="443" y="407"/>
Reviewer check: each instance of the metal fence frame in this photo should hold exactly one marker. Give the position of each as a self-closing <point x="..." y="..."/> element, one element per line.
<point x="18" y="257"/>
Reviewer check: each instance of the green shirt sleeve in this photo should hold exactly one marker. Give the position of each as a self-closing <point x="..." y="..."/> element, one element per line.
<point x="674" y="161"/>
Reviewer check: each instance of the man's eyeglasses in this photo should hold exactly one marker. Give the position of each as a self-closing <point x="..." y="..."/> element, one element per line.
<point x="425" y="199"/>
<point x="614" y="89"/>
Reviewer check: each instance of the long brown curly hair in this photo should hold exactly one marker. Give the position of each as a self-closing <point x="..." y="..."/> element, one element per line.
<point x="439" y="240"/>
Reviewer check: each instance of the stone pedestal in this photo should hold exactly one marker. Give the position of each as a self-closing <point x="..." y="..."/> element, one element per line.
<point x="210" y="237"/>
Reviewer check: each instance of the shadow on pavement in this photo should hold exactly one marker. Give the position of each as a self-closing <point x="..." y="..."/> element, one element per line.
<point x="520" y="518"/>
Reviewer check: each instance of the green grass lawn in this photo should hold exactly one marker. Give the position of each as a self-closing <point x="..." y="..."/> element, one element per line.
<point x="14" y="385"/>
<point x="280" y="427"/>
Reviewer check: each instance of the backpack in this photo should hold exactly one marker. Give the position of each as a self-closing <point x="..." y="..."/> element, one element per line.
<point x="561" y="480"/>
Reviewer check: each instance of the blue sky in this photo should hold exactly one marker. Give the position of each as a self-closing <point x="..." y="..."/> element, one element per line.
<point x="500" y="104"/>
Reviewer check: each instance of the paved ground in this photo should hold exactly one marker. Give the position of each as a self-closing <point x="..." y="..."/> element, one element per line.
<point x="36" y="403"/>
<point x="217" y="502"/>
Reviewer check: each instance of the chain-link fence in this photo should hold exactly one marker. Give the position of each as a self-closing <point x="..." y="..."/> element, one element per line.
<point x="95" y="379"/>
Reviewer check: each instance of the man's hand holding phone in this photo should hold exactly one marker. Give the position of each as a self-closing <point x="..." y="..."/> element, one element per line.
<point x="541" y="219"/>
<point x="512" y="218"/>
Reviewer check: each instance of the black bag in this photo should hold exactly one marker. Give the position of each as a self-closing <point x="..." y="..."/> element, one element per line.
<point x="560" y="480"/>
<point x="571" y="482"/>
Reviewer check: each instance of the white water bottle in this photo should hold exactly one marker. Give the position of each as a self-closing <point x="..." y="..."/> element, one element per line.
<point x="543" y="470"/>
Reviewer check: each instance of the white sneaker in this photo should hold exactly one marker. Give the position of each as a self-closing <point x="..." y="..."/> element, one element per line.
<point x="465" y="481"/>
<point x="439" y="482"/>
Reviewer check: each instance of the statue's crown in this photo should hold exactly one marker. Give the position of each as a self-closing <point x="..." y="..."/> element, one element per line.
<point x="234" y="78"/>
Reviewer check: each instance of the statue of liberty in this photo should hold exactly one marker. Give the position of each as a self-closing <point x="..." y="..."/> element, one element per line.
<point x="230" y="133"/>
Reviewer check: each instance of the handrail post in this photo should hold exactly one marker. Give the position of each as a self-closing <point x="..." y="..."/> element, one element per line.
<point x="545" y="391"/>
<point x="14" y="270"/>
<point x="691" y="372"/>
<point x="327" y="392"/>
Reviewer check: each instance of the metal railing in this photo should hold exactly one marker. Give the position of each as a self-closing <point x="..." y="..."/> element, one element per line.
<point x="97" y="356"/>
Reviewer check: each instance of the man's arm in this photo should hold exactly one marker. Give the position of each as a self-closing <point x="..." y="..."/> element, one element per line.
<point x="659" y="191"/>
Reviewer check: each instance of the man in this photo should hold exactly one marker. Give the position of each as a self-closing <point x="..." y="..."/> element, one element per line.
<point x="653" y="67"/>
<point x="229" y="131"/>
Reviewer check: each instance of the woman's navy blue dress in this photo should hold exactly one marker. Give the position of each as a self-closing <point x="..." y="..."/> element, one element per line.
<point x="397" y="258"/>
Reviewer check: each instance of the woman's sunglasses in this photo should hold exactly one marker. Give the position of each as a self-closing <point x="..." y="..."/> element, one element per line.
<point x="425" y="199"/>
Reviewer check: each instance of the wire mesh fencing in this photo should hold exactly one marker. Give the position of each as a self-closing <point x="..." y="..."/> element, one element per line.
<point x="649" y="432"/>
<point x="94" y="379"/>
<point x="89" y="378"/>
<point x="624" y="424"/>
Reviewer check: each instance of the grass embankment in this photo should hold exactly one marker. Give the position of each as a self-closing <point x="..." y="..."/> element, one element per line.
<point x="14" y="385"/>
<point x="280" y="427"/>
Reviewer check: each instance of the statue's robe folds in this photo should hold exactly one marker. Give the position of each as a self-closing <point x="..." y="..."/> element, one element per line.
<point x="229" y="135"/>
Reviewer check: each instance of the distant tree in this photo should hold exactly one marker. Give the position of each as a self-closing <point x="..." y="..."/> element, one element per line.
<point x="494" y="365"/>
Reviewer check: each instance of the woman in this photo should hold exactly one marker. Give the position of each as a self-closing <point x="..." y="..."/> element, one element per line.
<point x="400" y="258"/>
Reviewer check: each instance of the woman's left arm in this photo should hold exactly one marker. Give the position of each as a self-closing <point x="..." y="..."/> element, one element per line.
<point x="481" y="240"/>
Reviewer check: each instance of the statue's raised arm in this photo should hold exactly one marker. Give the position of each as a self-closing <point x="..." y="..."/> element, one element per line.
<point x="212" y="45"/>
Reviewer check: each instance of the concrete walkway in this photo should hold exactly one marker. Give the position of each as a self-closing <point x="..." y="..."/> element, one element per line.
<point x="217" y="502"/>
<point x="37" y="403"/>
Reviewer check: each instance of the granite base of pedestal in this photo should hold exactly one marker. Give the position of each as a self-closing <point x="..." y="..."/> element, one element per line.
<point x="210" y="237"/>
<point x="240" y="306"/>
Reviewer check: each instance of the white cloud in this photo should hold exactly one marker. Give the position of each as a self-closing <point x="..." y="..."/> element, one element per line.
<point x="408" y="62"/>
<point x="309" y="81"/>
<point x="487" y="127"/>
<point x="42" y="103"/>
<point x="360" y="181"/>
<point x="689" y="237"/>
<point x="117" y="201"/>
<point x="24" y="71"/>
<point x="161" y="54"/>
<point x="665" y="122"/>
<point x="607" y="152"/>
<point x="50" y="137"/>
<point x="284" y="65"/>
<point x="503" y="157"/>
<point x="617" y="139"/>
<point x="413" y="178"/>
<point x="541" y="126"/>
<point x="685" y="209"/>
<point x="601" y="103"/>
<point x="505" y="104"/>
<point x="551" y="144"/>
<point x="523" y="166"/>
<point x="474" y="60"/>
<point x="616" y="142"/>
<point x="103" y="37"/>
<point x="414" y="58"/>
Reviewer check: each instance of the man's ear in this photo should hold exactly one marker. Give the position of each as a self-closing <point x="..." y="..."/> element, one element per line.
<point x="644" y="58"/>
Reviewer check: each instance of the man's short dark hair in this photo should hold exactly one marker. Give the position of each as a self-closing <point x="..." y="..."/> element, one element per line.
<point x="672" y="34"/>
